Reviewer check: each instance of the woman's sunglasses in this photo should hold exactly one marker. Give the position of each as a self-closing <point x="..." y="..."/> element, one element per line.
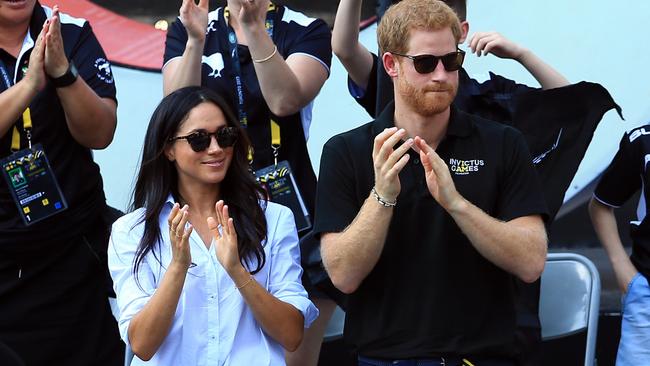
<point x="425" y="64"/>
<point x="200" y="140"/>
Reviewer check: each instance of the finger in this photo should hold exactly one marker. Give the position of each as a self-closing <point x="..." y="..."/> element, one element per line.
<point x="387" y="146"/>
<point x="397" y="168"/>
<point x="181" y="224"/>
<point x="480" y="45"/>
<point x="226" y="218"/>
<point x="214" y="227"/>
<point x="186" y="234"/>
<point x="219" y="207"/>
<point x="379" y="140"/>
<point x="422" y="144"/>
<point x="438" y="165"/>
<point x="177" y="218"/>
<point x="55" y="28"/>
<point x="396" y="155"/>
<point x="172" y="214"/>
<point x="231" y="226"/>
<point x="474" y="40"/>
<point x="426" y="163"/>
<point x="203" y="4"/>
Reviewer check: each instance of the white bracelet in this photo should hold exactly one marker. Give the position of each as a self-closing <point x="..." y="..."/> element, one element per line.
<point x="275" y="50"/>
<point x="382" y="201"/>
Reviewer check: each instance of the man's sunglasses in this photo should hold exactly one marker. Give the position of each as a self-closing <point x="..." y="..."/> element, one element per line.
<point x="425" y="64"/>
<point x="200" y="140"/>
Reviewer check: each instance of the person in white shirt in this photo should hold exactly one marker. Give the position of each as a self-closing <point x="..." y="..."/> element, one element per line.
<point x="206" y="271"/>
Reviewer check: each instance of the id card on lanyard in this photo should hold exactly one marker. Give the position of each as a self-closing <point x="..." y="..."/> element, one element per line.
<point x="277" y="179"/>
<point x="280" y="184"/>
<point x="28" y="173"/>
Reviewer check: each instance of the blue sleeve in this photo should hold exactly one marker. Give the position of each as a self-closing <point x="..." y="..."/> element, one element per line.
<point x="366" y="98"/>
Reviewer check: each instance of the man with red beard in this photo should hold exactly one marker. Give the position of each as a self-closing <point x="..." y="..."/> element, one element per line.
<point x="427" y="213"/>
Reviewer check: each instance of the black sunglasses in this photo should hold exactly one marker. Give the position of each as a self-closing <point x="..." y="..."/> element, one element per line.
<point x="200" y="140"/>
<point x="425" y="64"/>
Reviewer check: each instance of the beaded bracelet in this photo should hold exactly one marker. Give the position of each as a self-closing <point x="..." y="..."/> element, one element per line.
<point x="382" y="201"/>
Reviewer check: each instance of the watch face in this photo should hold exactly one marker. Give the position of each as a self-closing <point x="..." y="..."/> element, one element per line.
<point x="73" y="70"/>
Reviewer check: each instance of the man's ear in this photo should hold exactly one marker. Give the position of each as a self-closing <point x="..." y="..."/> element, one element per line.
<point x="464" y="31"/>
<point x="390" y="64"/>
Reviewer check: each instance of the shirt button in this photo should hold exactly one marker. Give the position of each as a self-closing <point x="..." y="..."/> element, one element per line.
<point x="416" y="161"/>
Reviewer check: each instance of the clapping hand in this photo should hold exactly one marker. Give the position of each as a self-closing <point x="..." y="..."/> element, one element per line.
<point x="195" y="18"/>
<point x="36" y="70"/>
<point x="388" y="162"/>
<point x="439" y="181"/>
<point x="253" y="12"/>
<point x="225" y="238"/>
<point x="179" y="235"/>
<point x="56" y="62"/>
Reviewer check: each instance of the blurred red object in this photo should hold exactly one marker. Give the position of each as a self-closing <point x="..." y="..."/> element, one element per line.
<point x="126" y="42"/>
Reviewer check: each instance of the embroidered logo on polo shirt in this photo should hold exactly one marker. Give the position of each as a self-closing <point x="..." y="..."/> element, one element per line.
<point x="465" y="167"/>
<point x="638" y="133"/>
<point x="212" y="27"/>
<point x="215" y="62"/>
<point x="104" y="70"/>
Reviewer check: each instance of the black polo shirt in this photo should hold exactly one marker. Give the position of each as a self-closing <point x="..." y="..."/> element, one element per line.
<point x="293" y="33"/>
<point x="431" y="293"/>
<point x="72" y="163"/>
<point x="625" y="175"/>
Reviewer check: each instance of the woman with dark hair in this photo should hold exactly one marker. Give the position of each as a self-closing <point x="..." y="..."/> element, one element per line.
<point x="206" y="271"/>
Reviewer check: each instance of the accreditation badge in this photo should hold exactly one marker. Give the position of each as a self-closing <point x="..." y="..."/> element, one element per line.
<point x="281" y="187"/>
<point x="32" y="184"/>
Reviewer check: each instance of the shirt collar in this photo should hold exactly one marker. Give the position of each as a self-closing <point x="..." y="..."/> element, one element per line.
<point x="460" y="123"/>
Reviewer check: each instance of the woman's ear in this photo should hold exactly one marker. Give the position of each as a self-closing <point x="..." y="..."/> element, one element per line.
<point x="169" y="153"/>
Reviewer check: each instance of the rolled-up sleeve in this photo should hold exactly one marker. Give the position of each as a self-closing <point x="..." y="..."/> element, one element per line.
<point x="132" y="295"/>
<point x="286" y="272"/>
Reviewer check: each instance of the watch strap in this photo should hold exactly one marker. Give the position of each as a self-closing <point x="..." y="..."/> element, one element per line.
<point x="66" y="79"/>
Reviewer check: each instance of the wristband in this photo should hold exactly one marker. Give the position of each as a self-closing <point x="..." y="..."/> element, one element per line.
<point x="67" y="79"/>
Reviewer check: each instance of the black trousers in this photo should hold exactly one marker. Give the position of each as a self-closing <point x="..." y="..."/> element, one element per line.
<point x="54" y="304"/>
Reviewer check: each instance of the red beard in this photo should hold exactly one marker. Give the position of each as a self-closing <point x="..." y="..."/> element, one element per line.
<point x="428" y="101"/>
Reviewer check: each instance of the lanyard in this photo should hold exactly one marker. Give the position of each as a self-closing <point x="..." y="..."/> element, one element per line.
<point x="234" y="54"/>
<point x="27" y="116"/>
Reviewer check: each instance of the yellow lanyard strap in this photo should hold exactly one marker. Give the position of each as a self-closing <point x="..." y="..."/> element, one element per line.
<point x="27" y="126"/>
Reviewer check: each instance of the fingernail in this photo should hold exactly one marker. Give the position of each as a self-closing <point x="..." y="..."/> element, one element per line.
<point x="409" y="141"/>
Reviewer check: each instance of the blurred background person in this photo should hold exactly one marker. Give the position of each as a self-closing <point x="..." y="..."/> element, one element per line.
<point x="57" y="100"/>
<point x="626" y="175"/>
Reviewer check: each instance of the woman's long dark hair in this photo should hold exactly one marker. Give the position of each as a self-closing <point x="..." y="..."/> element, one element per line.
<point x="157" y="178"/>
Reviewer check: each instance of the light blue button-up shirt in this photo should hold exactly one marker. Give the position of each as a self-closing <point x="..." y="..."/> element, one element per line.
<point x="212" y="324"/>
